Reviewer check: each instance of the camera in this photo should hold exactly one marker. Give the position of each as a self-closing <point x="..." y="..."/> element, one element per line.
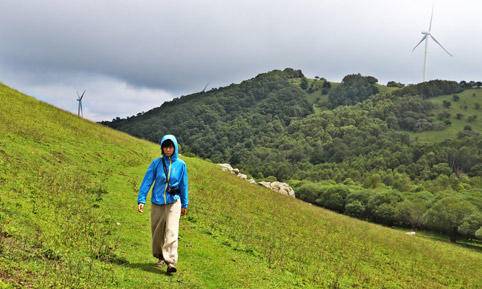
<point x="173" y="190"/>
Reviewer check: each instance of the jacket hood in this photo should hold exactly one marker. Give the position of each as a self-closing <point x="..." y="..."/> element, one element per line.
<point x="174" y="141"/>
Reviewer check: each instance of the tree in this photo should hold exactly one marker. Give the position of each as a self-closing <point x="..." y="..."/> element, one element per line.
<point x="395" y="84"/>
<point x="411" y="213"/>
<point x="470" y="225"/>
<point x="478" y="233"/>
<point x="304" y="83"/>
<point x="382" y="207"/>
<point x="374" y="180"/>
<point x="355" y="209"/>
<point x="472" y="118"/>
<point x="354" y="88"/>
<point x="447" y="214"/>
<point x="430" y="88"/>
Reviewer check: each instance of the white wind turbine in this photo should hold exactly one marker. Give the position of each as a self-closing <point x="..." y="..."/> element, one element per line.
<point x="426" y="36"/>
<point x="80" y="113"/>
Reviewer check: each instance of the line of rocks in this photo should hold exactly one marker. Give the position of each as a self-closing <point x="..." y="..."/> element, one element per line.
<point x="280" y="187"/>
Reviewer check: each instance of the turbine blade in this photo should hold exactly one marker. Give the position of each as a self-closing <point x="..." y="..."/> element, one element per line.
<point x="431" y="17"/>
<point x="433" y="38"/>
<point x="423" y="38"/>
<point x="82" y="95"/>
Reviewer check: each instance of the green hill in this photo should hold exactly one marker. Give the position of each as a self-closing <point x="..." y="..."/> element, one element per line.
<point x="392" y="155"/>
<point x="67" y="219"/>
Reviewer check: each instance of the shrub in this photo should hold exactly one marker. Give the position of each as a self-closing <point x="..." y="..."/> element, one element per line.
<point x="355" y="209"/>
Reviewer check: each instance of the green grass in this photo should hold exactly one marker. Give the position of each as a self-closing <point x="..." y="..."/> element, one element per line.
<point x="68" y="219"/>
<point x="469" y="98"/>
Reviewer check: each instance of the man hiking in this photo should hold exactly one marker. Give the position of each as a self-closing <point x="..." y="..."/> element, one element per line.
<point x="169" y="201"/>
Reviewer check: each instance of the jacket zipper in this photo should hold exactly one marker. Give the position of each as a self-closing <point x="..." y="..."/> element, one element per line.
<point x="167" y="181"/>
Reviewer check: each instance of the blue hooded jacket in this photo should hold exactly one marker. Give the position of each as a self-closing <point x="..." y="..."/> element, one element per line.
<point x="177" y="174"/>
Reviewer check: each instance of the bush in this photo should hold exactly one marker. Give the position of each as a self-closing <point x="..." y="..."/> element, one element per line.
<point x="430" y="88"/>
<point x="447" y="215"/>
<point x="355" y="209"/>
<point x="353" y="89"/>
<point x="472" y="118"/>
<point x="470" y="225"/>
<point x="478" y="233"/>
<point x="395" y="84"/>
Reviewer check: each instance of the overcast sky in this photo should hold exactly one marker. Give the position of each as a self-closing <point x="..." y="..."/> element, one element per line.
<point x="131" y="56"/>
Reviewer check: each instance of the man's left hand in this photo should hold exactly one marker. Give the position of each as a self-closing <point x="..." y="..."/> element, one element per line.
<point x="183" y="211"/>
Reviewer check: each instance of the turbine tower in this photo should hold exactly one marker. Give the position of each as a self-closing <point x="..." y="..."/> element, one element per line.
<point x="426" y="36"/>
<point x="80" y="113"/>
<point x="206" y="86"/>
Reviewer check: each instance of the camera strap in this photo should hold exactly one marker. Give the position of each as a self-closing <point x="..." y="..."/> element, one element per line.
<point x="165" y="170"/>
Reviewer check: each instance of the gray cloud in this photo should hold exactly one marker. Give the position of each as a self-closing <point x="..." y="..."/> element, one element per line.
<point x="141" y="49"/>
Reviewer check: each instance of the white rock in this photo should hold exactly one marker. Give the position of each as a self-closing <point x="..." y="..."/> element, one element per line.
<point x="265" y="184"/>
<point x="412" y="233"/>
<point x="282" y="188"/>
<point x="226" y="167"/>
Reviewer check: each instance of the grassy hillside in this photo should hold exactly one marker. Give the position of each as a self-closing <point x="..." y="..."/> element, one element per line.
<point x="466" y="106"/>
<point x="68" y="219"/>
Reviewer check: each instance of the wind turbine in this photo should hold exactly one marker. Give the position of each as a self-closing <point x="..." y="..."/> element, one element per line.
<point x="206" y="86"/>
<point x="79" y="100"/>
<point x="426" y="36"/>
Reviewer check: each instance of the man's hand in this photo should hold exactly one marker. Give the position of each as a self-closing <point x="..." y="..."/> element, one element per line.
<point x="183" y="211"/>
<point x="140" y="208"/>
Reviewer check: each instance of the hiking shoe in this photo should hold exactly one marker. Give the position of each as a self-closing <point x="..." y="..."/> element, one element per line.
<point x="160" y="263"/>
<point x="171" y="269"/>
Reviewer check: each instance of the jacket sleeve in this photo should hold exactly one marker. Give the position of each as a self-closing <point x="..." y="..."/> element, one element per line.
<point x="184" y="188"/>
<point x="149" y="178"/>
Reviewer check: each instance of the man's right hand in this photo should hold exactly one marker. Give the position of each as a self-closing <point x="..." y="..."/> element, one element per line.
<point x="140" y="208"/>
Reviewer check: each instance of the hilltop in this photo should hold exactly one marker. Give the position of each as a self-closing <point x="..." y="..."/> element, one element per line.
<point x="68" y="219"/>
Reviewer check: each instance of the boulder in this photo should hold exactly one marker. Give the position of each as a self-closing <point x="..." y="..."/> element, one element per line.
<point x="226" y="168"/>
<point x="282" y="188"/>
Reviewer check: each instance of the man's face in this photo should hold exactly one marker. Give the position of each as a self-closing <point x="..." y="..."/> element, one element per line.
<point x="168" y="150"/>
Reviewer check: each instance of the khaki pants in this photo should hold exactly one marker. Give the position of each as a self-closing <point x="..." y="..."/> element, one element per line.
<point x="165" y="231"/>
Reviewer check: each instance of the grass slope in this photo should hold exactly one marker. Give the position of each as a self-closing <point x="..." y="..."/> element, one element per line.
<point x="68" y="219"/>
<point x="468" y="99"/>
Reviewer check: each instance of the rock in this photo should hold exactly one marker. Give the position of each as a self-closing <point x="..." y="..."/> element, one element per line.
<point x="265" y="184"/>
<point x="226" y="167"/>
<point x="282" y="188"/>
<point x="412" y="233"/>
